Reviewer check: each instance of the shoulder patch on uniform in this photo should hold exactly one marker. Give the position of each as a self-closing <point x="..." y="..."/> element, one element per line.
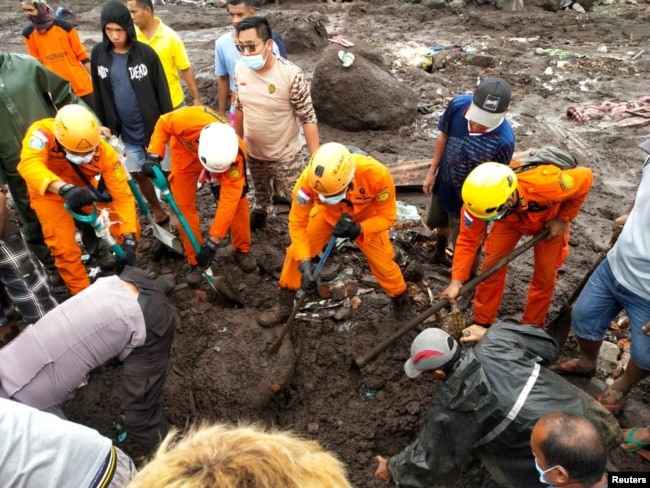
<point x="303" y="196"/>
<point x="38" y="139"/>
<point x="119" y="172"/>
<point x="468" y="218"/>
<point x="272" y="88"/>
<point x="234" y="173"/>
<point x="383" y="196"/>
<point x="566" y="181"/>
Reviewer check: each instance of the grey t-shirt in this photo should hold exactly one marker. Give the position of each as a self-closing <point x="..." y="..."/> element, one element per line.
<point x="40" y="449"/>
<point x="50" y="358"/>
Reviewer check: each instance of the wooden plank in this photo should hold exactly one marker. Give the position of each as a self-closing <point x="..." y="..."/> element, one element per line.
<point x="409" y="174"/>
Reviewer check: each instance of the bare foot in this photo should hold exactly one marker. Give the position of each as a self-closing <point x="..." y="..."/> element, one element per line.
<point x="575" y="367"/>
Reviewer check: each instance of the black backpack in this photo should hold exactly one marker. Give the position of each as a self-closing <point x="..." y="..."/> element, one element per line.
<point x="547" y="155"/>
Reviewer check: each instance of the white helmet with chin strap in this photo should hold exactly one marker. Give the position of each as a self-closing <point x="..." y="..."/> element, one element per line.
<point x="218" y="147"/>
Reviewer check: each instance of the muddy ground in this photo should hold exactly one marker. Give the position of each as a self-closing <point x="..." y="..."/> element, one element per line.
<point x="218" y="368"/>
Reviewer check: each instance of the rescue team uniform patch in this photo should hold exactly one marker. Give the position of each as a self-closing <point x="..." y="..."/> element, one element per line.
<point x="383" y="196"/>
<point x="303" y="196"/>
<point x="468" y="219"/>
<point x="38" y="139"/>
<point x="234" y="173"/>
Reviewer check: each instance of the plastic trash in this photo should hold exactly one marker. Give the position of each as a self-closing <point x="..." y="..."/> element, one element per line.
<point x="553" y="53"/>
<point x="407" y="215"/>
<point x="346" y="58"/>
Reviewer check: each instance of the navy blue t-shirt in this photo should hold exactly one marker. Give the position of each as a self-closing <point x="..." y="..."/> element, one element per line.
<point x="126" y="103"/>
<point x="464" y="152"/>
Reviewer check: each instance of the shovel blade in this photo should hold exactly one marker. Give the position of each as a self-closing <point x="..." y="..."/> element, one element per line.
<point x="167" y="238"/>
<point x="221" y="286"/>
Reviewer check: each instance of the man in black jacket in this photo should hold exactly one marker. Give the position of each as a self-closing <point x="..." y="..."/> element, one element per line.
<point x="131" y="92"/>
<point x="491" y="398"/>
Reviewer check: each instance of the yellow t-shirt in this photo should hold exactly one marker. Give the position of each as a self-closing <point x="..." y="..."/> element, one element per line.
<point x="172" y="54"/>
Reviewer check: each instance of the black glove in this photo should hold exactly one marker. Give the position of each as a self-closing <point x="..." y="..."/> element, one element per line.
<point x="346" y="227"/>
<point x="149" y="162"/>
<point x="129" y="245"/>
<point x="308" y="282"/>
<point x="206" y="255"/>
<point x="76" y="196"/>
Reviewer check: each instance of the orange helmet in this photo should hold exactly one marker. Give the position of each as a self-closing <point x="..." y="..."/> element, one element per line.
<point x="331" y="169"/>
<point x="77" y="129"/>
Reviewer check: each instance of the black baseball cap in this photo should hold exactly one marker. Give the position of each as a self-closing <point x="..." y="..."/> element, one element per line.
<point x="490" y="102"/>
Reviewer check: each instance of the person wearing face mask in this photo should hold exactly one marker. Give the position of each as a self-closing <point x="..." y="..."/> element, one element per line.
<point x="273" y="103"/>
<point x="473" y="129"/>
<point x="60" y="161"/>
<point x="56" y="44"/>
<point x="570" y="451"/>
<point x="348" y="195"/>
<point x="490" y="397"/>
<point x="520" y="204"/>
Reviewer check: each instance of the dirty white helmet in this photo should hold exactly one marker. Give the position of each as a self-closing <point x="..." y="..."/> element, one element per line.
<point x="218" y="147"/>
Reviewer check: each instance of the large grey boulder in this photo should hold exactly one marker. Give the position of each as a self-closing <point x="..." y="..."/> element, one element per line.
<point x="364" y="96"/>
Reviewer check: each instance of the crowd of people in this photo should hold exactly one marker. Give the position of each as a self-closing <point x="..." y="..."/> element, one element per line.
<point x="502" y="398"/>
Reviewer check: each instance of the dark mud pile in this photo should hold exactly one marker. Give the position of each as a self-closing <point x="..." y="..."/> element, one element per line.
<point x="219" y="369"/>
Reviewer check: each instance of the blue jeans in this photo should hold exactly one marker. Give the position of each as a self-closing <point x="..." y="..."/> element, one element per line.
<point x="601" y="300"/>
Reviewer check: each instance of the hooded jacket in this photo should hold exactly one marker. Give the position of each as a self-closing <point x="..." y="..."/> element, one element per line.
<point x="145" y="73"/>
<point x="488" y="407"/>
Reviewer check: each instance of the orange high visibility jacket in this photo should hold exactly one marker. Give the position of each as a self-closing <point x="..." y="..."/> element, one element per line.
<point x="370" y="201"/>
<point x="60" y="49"/>
<point x="43" y="161"/>
<point x="180" y="129"/>
<point x="545" y="192"/>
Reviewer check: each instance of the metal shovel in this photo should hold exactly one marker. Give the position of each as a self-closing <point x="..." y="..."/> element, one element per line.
<point x="170" y="241"/>
<point x="218" y="283"/>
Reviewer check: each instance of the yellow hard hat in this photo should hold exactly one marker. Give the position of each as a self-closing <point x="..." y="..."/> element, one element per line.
<point x="331" y="169"/>
<point x="487" y="189"/>
<point x="77" y="129"/>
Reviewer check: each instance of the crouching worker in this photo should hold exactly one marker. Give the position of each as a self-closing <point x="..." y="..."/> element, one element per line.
<point x="491" y="398"/>
<point x="40" y="449"/>
<point x="60" y="161"/>
<point x="201" y="139"/>
<point x="123" y="316"/>
<point x="349" y="196"/>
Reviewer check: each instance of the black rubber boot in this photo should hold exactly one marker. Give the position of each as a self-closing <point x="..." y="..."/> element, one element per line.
<point x="402" y="308"/>
<point x="440" y="254"/>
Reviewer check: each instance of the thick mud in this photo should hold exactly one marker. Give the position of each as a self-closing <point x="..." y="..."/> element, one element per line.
<point x="219" y="368"/>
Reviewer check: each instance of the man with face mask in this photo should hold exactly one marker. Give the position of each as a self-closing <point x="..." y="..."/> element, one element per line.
<point x="349" y="196"/>
<point x="60" y="160"/>
<point x="273" y="102"/>
<point x="570" y="451"/>
<point x="226" y="55"/>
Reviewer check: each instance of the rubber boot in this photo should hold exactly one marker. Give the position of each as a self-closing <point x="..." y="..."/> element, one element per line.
<point x="280" y="312"/>
<point x="402" y="308"/>
<point x="440" y="254"/>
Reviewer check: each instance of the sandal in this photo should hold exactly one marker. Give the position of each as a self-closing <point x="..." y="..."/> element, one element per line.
<point x="346" y="58"/>
<point x="629" y="439"/>
<point x="564" y="369"/>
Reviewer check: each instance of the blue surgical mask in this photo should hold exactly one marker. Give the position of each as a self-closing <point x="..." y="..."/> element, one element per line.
<point x="333" y="200"/>
<point x="542" y="472"/>
<point x="76" y="159"/>
<point x="255" y="62"/>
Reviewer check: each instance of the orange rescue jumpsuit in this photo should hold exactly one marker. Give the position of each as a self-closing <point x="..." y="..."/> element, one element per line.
<point x="370" y="201"/>
<point x="544" y="192"/>
<point x="43" y="161"/>
<point x="181" y="129"/>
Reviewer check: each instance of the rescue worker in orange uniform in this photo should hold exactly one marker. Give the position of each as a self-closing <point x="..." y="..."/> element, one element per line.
<point x="519" y="204"/>
<point x="60" y="160"/>
<point x="349" y="196"/>
<point x="200" y="138"/>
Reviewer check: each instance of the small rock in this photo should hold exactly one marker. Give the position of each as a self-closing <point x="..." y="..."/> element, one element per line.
<point x="580" y="9"/>
<point x="342" y="313"/>
<point x="201" y="296"/>
<point x="312" y="427"/>
<point x="355" y="302"/>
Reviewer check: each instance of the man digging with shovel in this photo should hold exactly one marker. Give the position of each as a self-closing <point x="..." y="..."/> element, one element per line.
<point x="200" y="140"/>
<point x="349" y="196"/>
<point x="542" y="197"/>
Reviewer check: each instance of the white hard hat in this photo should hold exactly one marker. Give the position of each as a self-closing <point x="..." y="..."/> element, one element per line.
<point x="218" y="147"/>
